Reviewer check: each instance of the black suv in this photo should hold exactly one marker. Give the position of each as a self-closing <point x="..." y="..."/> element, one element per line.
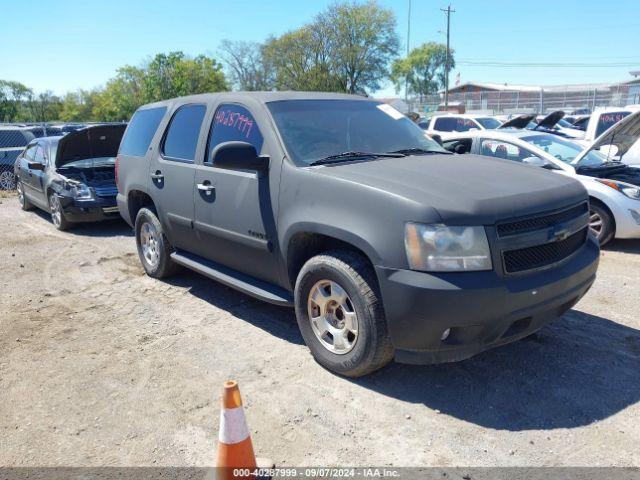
<point x="385" y="243"/>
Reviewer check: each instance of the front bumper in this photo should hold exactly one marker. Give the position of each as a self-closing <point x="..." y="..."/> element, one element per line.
<point x="482" y="309"/>
<point x="626" y="213"/>
<point x="94" y="210"/>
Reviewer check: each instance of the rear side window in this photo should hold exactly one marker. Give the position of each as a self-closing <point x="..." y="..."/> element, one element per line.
<point x="140" y="132"/>
<point x="234" y="123"/>
<point x="13" y="138"/>
<point x="182" y="136"/>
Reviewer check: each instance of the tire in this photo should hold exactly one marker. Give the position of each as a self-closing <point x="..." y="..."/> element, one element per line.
<point x="353" y="355"/>
<point x="154" y="248"/>
<point x="601" y="223"/>
<point x="57" y="215"/>
<point x="24" y="202"/>
<point x="7" y="180"/>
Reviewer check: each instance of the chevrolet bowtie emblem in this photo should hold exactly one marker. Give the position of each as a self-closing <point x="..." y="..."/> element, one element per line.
<point x="558" y="234"/>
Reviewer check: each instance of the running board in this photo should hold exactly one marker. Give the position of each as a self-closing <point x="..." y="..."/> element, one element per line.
<point x="246" y="284"/>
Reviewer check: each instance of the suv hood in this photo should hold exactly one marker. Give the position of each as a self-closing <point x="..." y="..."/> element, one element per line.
<point x="464" y="189"/>
<point x="622" y="135"/>
<point x="521" y="121"/>
<point x="98" y="141"/>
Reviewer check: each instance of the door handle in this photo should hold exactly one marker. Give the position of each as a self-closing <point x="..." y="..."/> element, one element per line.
<point x="157" y="176"/>
<point x="207" y="188"/>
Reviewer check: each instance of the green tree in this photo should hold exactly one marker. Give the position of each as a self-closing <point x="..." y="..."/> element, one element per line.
<point x="78" y="106"/>
<point x="362" y="41"/>
<point x="174" y="75"/>
<point x="13" y="95"/>
<point x="121" y="96"/>
<point x="423" y="70"/>
<point x="300" y="60"/>
<point x="247" y="65"/>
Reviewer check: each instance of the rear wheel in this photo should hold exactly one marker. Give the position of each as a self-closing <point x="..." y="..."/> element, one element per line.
<point x="154" y="248"/>
<point x="57" y="215"/>
<point x="340" y="314"/>
<point x="601" y="223"/>
<point x="25" y="204"/>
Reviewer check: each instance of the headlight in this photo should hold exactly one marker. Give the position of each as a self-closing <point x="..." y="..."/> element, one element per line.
<point x="81" y="192"/>
<point x="626" y="189"/>
<point x="438" y="248"/>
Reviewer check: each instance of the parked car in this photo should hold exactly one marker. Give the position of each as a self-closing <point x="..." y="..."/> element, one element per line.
<point x="13" y="139"/>
<point x="46" y="130"/>
<point x="613" y="186"/>
<point x="444" y="124"/>
<point x="341" y="207"/>
<point x="72" y="177"/>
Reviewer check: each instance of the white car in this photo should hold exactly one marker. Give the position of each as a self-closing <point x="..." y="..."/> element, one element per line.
<point x="613" y="186"/>
<point x="448" y="123"/>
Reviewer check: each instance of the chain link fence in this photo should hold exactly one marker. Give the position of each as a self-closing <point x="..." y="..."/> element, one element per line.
<point x="12" y="142"/>
<point x="538" y="101"/>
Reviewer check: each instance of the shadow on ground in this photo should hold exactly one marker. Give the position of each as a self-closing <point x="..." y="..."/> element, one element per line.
<point x="580" y="369"/>
<point x="278" y="321"/>
<point x="107" y="228"/>
<point x="625" y="246"/>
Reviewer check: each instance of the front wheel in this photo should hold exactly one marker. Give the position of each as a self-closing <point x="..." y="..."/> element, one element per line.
<point x="57" y="215"/>
<point x="601" y="223"/>
<point x="340" y="314"/>
<point x="154" y="248"/>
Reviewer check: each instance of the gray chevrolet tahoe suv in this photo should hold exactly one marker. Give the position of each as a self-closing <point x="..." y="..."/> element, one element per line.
<point x="339" y="206"/>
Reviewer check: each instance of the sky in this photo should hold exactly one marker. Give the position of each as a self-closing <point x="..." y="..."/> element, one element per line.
<point x="69" y="44"/>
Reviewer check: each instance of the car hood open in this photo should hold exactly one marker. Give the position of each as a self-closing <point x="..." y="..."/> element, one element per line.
<point x="464" y="189"/>
<point x="622" y="135"/>
<point x="521" y="121"/>
<point x="97" y="141"/>
<point x="550" y="120"/>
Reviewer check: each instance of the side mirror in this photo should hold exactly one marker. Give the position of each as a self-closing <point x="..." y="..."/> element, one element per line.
<point x="460" y="149"/>
<point x="238" y="156"/>
<point x="538" y="162"/>
<point x="35" y="166"/>
<point x="437" y="138"/>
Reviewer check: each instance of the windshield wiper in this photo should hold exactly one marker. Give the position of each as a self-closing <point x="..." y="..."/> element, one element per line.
<point x="418" y="151"/>
<point x="346" y="156"/>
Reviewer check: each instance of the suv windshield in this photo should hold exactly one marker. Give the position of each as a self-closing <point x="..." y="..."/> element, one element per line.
<point x="565" y="150"/>
<point x="488" y="122"/>
<point x="316" y="129"/>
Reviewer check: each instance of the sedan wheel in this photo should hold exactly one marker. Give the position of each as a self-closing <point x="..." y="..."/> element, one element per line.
<point x="333" y="318"/>
<point x="7" y="181"/>
<point x="595" y="224"/>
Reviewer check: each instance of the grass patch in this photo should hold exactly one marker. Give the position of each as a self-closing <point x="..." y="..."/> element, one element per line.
<point x="8" y="193"/>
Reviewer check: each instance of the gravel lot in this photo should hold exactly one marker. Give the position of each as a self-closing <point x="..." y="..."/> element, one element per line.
<point x="101" y="365"/>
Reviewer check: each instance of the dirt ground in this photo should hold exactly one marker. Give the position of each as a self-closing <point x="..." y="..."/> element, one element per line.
<point x="101" y="365"/>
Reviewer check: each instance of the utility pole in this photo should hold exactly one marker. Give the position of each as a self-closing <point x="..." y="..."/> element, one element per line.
<point x="448" y="12"/>
<point x="406" y="80"/>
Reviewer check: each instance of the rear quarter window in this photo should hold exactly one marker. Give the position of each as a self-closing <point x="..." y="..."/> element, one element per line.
<point x="141" y="130"/>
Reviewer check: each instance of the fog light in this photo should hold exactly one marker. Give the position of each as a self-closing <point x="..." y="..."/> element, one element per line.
<point x="636" y="216"/>
<point x="445" y="334"/>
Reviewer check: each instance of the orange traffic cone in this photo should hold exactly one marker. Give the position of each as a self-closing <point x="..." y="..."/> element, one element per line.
<point x="235" y="450"/>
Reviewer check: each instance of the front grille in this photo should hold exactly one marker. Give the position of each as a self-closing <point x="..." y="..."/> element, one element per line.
<point x="106" y="191"/>
<point x="540" y="256"/>
<point x="539" y="223"/>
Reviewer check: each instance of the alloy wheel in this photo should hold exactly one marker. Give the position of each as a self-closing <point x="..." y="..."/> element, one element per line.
<point x="595" y="224"/>
<point x="7" y="181"/>
<point x="150" y="244"/>
<point x="56" y="210"/>
<point x="333" y="318"/>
